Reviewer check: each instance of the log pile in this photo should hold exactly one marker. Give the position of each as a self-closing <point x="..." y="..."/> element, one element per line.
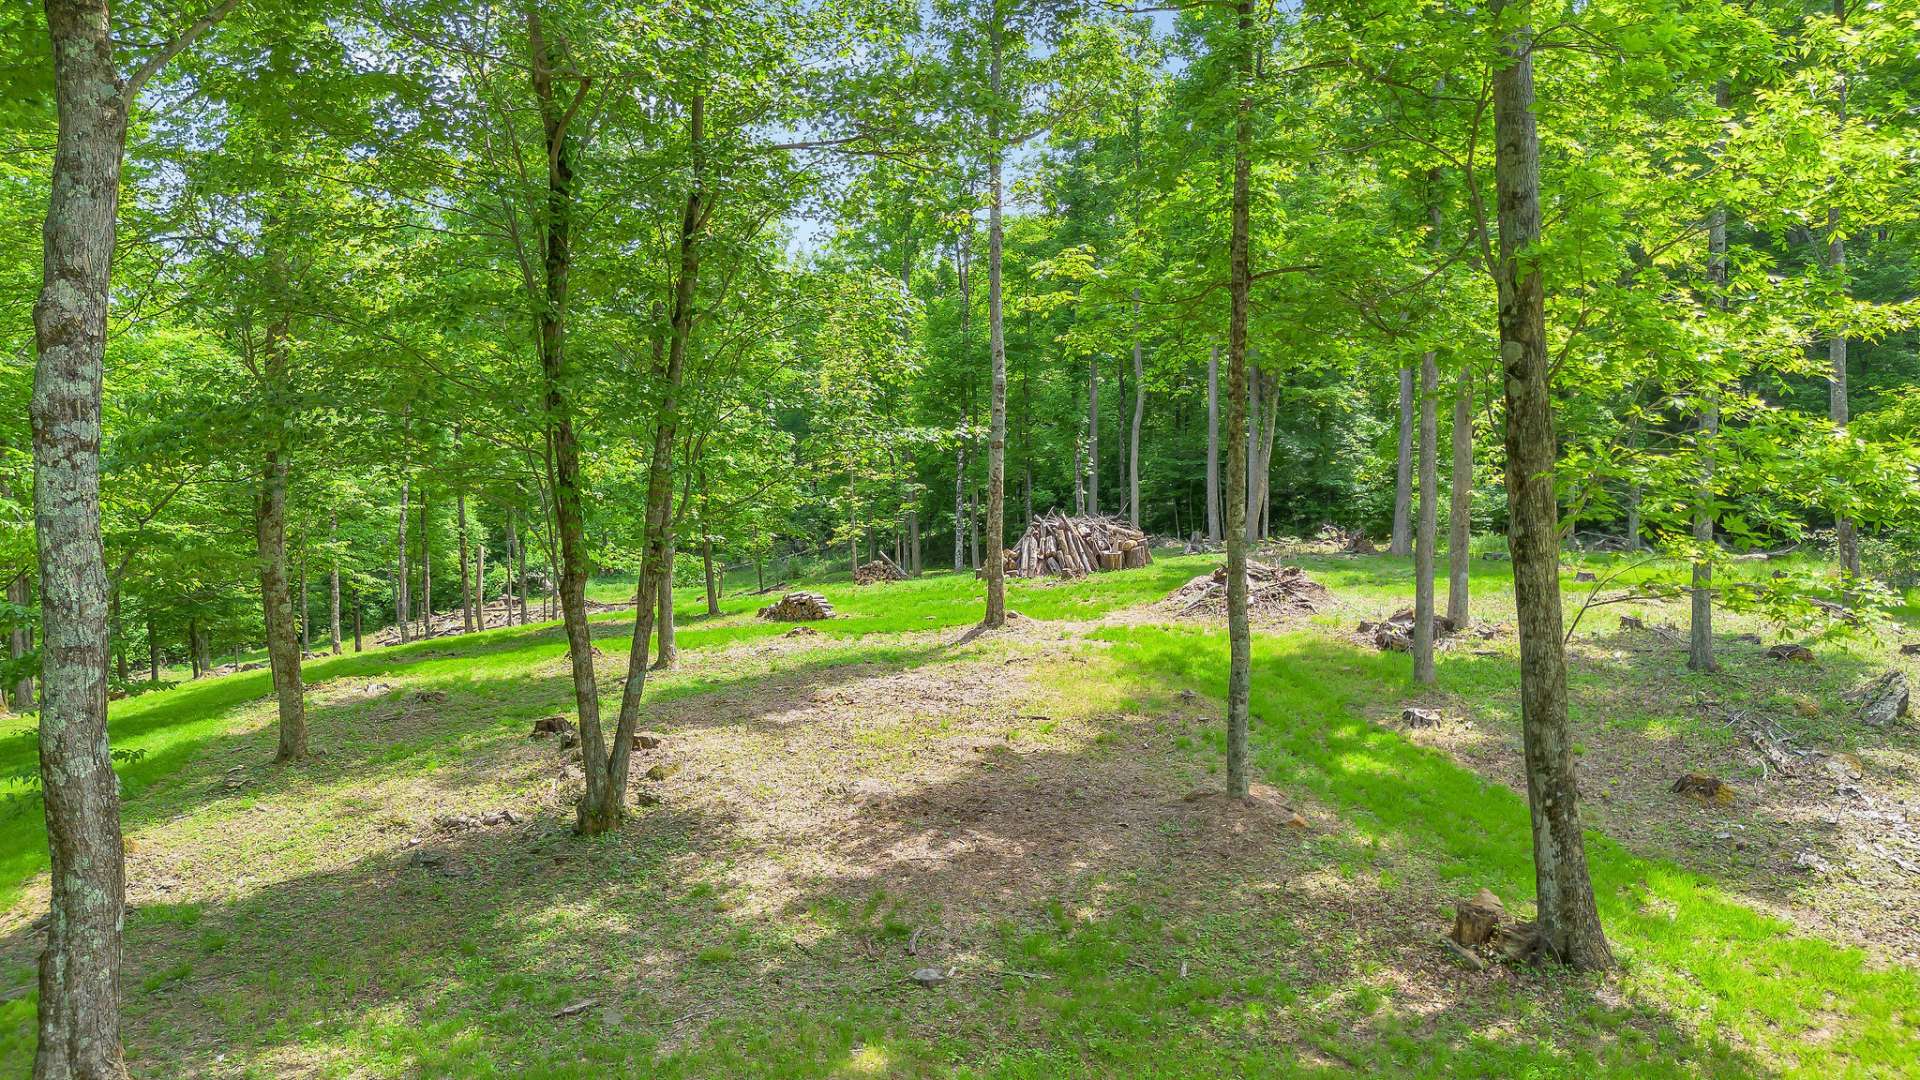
<point x="878" y="572"/>
<point x="1072" y="546"/>
<point x="798" y="607"/>
<point x="1272" y="591"/>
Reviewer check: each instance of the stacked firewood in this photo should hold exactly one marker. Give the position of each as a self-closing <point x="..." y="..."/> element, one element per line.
<point x="798" y="607"/>
<point x="879" y="571"/>
<point x="1071" y="546"/>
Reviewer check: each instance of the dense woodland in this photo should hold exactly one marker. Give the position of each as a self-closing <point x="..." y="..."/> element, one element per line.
<point x="330" y="326"/>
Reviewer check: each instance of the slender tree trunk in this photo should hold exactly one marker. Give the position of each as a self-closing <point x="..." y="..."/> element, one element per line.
<point x="996" y="614"/>
<point x="603" y="807"/>
<point x="197" y="641"/>
<point x="480" y="582"/>
<point x="79" y="1025"/>
<point x="520" y="573"/>
<point x="1093" y="437"/>
<point x="669" y="651"/>
<point x="1846" y="540"/>
<point x="1569" y="922"/>
<point x="1634" y="494"/>
<point x="706" y="554"/>
<point x="466" y="582"/>
<point x="960" y="509"/>
<point x="1460" y="509"/>
<point x="357" y="645"/>
<point x="403" y="603"/>
<point x="19" y="644"/>
<point x="333" y="583"/>
<point x="306" y="607"/>
<point x="1700" y="628"/>
<point x="1427" y="531"/>
<point x="973" y="529"/>
<point x="1239" y="635"/>
<point x="1213" y="444"/>
<point x="1402" y="541"/>
<point x="1139" y="417"/>
<point x="426" y="563"/>
<point x="153" y="654"/>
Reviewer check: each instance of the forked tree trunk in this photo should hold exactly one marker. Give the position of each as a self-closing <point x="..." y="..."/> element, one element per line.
<point x="79" y="1028"/>
<point x="1427" y="532"/>
<point x="603" y="806"/>
<point x="1569" y="922"/>
<point x="1213" y="444"/>
<point x="1239" y="636"/>
<point x="996" y="614"/>
<point x="569" y="516"/>
<point x="1402" y="539"/>
<point x="1460" y="508"/>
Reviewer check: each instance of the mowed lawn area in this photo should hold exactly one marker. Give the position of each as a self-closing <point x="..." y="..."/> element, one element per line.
<point x="1026" y="819"/>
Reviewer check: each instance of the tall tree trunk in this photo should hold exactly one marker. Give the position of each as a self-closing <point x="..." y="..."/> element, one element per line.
<point x="202" y="648"/>
<point x="357" y="646"/>
<point x="973" y="528"/>
<point x="402" y="602"/>
<point x="1402" y="540"/>
<point x="1846" y="542"/>
<point x="79" y="1029"/>
<point x="270" y="522"/>
<point x="562" y="442"/>
<point x="1093" y="437"/>
<point x="466" y="582"/>
<point x="669" y="651"/>
<point x="333" y="583"/>
<point x="1569" y="922"/>
<point x="1239" y="635"/>
<point x="996" y="614"/>
<point x="519" y="559"/>
<point x="306" y="607"/>
<point x="480" y="582"/>
<point x="1634" y="494"/>
<point x="153" y="653"/>
<point x="1700" y="628"/>
<point x="603" y="806"/>
<point x="706" y="553"/>
<point x="960" y="508"/>
<point x="1139" y="417"/>
<point x="1460" y="509"/>
<point x="426" y="563"/>
<point x="19" y="644"/>
<point x="1427" y="531"/>
<point x="1213" y="444"/>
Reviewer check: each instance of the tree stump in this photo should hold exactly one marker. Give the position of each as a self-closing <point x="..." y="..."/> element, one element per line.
<point x="1475" y="921"/>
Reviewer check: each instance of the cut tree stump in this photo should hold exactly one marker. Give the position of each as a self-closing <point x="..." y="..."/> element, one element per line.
<point x="1790" y="651"/>
<point x="1475" y="921"/>
<point x="1705" y="790"/>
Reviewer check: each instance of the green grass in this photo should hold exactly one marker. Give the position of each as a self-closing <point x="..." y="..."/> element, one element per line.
<point x="457" y="977"/>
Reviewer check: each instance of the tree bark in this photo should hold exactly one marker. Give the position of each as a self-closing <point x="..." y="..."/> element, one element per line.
<point x="669" y="650"/>
<point x="1213" y="444"/>
<point x="402" y="602"/>
<point x="1427" y="530"/>
<point x="706" y="555"/>
<point x="960" y="508"/>
<point x="996" y="614"/>
<point x="1460" y="509"/>
<point x="1093" y="437"/>
<point x="603" y="806"/>
<point x="466" y="582"/>
<point x="270" y="522"/>
<point x="1569" y="922"/>
<point x="1239" y="636"/>
<point x="1139" y="417"/>
<point x="333" y="583"/>
<point x="153" y="653"/>
<point x="79" y="1025"/>
<point x="426" y="562"/>
<point x="1402" y="540"/>
<point x="1700" y="626"/>
<point x="563" y="443"/>
<point x="19" y="644"/>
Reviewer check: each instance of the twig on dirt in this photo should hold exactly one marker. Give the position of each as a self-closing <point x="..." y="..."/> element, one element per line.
<point x="576" y="1008"/>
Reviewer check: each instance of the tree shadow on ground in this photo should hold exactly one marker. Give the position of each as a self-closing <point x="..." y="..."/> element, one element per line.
<point x="1094" y="919"/>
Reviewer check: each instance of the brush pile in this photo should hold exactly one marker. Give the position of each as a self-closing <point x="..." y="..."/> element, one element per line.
<point x="798" y="607"/>
<point x="878" y="572"/>
<point x="1272" y="591"/>
<point x="1074" y="546"/>
<point x="1396" y="633"/>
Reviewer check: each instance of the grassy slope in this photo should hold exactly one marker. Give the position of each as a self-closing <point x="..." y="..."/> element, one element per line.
<point x="1709" y="986"/>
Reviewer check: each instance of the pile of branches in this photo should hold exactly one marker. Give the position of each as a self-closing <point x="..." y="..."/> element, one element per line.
<point x="1271" y="591"/>
<point x="798" y="607"/>
<point x="1395" y="634"/>
<point x="1072" y="546"/>
<point x="878" y="571"/>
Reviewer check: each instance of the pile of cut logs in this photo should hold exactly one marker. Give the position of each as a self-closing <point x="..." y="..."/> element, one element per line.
<point x="798" y="607"/>
<point x="1071" y="546"/>
<point x="878" y="571"/>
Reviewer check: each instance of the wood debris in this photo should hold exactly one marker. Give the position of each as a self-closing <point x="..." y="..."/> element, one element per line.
<point x="1271" y="591"/>
<point x="1056" y="544"/>
<point x="1882" y="701"/>
<point x="798" y="607"/>
<point x="1396" y="633"/>
<point x="878" y="572"/>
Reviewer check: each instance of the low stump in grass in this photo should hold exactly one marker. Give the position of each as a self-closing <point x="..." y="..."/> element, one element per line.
<point x="1705" y="790"/>
<point x="1883" y="701"/>
<point x="1790" y="651"/>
